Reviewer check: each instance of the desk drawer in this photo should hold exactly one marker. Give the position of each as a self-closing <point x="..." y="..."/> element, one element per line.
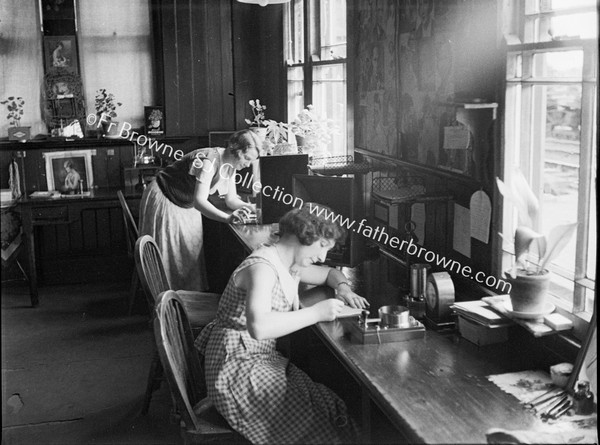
<point x="54" y="213"/>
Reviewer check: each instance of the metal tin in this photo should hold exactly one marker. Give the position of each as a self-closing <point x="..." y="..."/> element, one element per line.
<point x="394" y="316"/>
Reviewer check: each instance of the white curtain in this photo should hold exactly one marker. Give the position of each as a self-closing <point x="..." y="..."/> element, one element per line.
<point x="21" y="63"/>
<point x="115" y="50"/>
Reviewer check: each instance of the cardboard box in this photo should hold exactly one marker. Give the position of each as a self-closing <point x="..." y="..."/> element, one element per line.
<point x="480" y="334"/>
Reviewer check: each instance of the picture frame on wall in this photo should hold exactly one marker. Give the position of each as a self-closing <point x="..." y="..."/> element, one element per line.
<point x="154" y="120"/>
<point x="65" y="170"/>
<point x="60" y="52"/>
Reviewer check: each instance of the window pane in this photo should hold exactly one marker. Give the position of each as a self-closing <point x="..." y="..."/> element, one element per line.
<point x="559" y="64"/>
<point x="329" y="99"/>
<point x="333" y="29"/>
<point x="298" y="30"/>
<point x="559" y="20"/>
<point x="295" y="92"/>
<point x="294" y="31"/>
<point x="561" y="163"/>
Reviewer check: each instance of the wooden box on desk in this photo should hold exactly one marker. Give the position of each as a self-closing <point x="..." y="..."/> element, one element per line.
<point x="481" y="334"/>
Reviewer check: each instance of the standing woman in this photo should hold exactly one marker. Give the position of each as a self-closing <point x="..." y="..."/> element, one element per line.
<point x="262" y="395"/>
<point x="172" y="205"/>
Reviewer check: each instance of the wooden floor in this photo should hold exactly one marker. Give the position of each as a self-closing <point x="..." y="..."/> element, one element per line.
<point x="74" y="369"/>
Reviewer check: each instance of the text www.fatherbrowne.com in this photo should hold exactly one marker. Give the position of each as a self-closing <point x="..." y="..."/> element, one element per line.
<point x="379" y="234"/>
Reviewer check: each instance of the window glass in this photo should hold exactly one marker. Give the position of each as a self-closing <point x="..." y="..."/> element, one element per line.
<point x="295" y="91"/>
<point x="333" y="29"/>
<point x="329" y="99"/>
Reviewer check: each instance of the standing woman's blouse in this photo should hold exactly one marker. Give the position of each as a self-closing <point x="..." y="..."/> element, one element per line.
<point x="178" y="180"/>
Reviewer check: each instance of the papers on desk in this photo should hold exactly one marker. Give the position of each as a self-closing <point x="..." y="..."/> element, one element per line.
<point x="50" y="194"/>
<point x="479" y="312"/>
<point x="310" y="299"/>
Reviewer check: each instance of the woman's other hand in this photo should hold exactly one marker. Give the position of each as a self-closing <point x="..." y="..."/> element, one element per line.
<point x="328" y="310"/>
<point x="345" y="294"/>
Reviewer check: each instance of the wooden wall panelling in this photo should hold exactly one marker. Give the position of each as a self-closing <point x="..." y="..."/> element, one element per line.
<point x="258" y="61"/>
<point x="197" y="62"/>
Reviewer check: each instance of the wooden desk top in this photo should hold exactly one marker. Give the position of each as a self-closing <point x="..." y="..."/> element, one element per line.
<point x="434" y="389"/>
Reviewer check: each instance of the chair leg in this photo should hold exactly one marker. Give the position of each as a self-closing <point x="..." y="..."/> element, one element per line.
<point x="135" y="284"/>
<point x="155" y="378"/>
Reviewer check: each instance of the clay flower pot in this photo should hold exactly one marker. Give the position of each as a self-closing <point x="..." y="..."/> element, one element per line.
<point x="529" y="292"/>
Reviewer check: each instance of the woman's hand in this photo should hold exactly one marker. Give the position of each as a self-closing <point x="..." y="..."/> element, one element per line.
<point x="328" y="310"/>
<point x="238" y="216"/>
<point x="345" y="294"/>
<point x="241" y="215"/>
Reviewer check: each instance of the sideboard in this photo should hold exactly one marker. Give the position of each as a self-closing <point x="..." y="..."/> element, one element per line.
<point x="72" y="238"/>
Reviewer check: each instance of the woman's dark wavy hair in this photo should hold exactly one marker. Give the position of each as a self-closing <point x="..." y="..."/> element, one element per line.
<point x="309" y="227"/>
<point x="241" y="141"/>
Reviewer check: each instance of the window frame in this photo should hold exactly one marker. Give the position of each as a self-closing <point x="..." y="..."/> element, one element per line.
<point x="519" y="14"/>
<point x="311" y="47"/>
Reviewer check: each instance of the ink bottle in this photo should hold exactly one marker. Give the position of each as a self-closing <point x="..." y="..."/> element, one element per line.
<point x="583" y="399"/>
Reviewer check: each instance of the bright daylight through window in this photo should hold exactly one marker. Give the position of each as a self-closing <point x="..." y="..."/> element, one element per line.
<point x="315" y="55"/>
<point x="551" y="130"/>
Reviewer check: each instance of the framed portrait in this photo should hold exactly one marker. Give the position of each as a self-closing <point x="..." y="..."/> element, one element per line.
<point x="154" y="118"/>
<point x="60" y="52"/>
<point x="66" y="169"/>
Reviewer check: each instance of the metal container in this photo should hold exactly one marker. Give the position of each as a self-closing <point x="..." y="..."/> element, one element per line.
<point x="418" y="279"/>
<point x="393" y="317"/>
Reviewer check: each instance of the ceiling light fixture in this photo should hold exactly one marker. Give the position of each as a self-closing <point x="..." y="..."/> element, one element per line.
<point x="263" y="2"/>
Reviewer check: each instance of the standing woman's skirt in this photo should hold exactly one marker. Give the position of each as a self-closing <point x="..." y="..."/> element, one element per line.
<point x="178" y="234"/>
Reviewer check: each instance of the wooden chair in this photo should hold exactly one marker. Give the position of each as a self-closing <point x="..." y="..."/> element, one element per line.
<point x="132" y="234"/>
<point x="201" y="423"/>
<point x="201" y="307"/>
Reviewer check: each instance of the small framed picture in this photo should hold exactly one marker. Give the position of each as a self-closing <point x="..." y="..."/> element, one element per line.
<point x="69" y="172"/>
<point x="154" y="118"/>
<point x="60" y="52"/>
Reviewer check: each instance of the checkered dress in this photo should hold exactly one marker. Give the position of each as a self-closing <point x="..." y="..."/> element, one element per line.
<point x="261" y="394"/>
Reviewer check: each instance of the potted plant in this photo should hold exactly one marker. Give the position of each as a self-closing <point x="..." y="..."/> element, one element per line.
<point x="15" y="106"/>
<point x="106" y="106"/>
<point x="313" y="132"/>
<point x="529" y="281"/>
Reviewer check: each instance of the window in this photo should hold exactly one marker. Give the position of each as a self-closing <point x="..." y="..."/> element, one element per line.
<point x="551" y="130"/>
<point x="315" y="55"/>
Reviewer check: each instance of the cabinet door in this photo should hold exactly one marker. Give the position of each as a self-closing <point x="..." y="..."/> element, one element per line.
<point x="195" y="50"/>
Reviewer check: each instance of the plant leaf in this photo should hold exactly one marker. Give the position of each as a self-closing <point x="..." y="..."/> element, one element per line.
<point x="523" y="190"/>
<point x="523" y="238"/>
<point x="558" y="238"/>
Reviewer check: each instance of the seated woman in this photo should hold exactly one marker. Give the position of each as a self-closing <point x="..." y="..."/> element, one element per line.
<point x="173" y="204"/>
<point x="261" y="394"/>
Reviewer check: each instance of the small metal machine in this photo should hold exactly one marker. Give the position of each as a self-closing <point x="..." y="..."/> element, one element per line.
<point x="394" y="324"/>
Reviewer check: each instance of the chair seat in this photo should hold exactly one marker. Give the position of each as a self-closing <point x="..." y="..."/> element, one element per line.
<point x="212" y="427"/>
<point x="200" y="307"/>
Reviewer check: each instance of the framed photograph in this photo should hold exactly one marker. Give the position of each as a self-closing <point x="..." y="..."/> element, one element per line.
<point x="154" y="118"/>
<point x="66" y="169"/>
<point x="61" y="52"/>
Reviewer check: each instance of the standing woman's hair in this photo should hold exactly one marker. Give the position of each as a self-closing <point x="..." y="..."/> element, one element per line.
<point x="309" y="226"/>
<point x="242" y="141"/>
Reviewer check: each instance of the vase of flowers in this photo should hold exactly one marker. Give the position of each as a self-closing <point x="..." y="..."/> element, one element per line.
<point x="313" y="132"/>
<point x="258" y="123"/>
<point x="106" y="106"/>
<point x="15" y="106"/>
<point x="529" y="279"/>
<point x="273" y="134"/>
